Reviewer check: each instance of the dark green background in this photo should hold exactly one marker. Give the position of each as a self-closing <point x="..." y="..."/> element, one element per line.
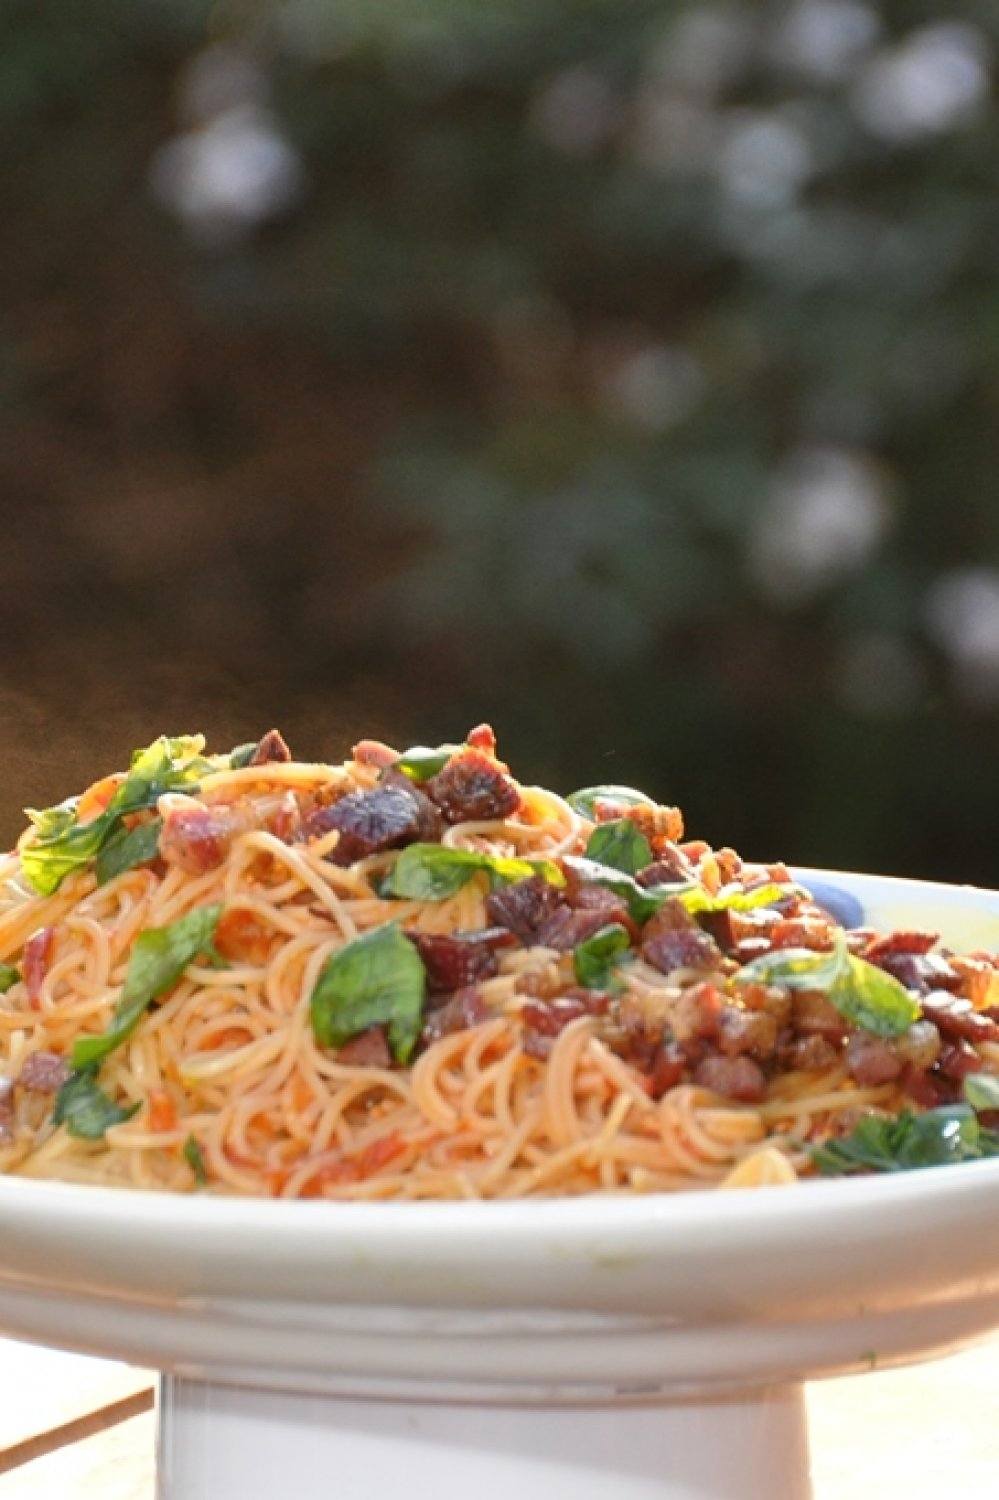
<point x="506" y="398"/>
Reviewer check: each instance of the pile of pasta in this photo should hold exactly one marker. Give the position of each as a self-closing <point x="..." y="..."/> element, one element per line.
<point x="409" y="976"/>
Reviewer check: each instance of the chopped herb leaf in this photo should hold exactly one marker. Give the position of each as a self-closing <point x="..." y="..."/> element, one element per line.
<point x="8" y="976"/>
<point x="904" y="1142"/>
<point x="734" y="898"/>
<point x="620" y="845"/>
<point x="195" y="1158"/>
<point x="84" y="1108"/>
<point x="982" y="1091"/>
<point x="241" y="755"/>
<point x="433" y="872"/>
<point x="127" y="848"/>
<point x="864" y="995"/>
<point x="377" y="980"/>
<point x="596" y="960"/>
<point x="62" y="844"/>
<point x="159" y="957"/>
<point x="420" y="762"/>
<point x="584" y="801"/>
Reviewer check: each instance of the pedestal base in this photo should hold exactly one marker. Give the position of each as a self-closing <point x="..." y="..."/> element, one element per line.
<point x="221" y="1443"/>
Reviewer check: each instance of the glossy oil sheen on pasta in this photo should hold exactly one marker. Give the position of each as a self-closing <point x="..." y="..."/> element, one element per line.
<point x="410" y="976"/>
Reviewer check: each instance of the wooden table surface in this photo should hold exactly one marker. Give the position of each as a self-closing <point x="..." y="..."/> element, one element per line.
<point x="82" y="1429"/>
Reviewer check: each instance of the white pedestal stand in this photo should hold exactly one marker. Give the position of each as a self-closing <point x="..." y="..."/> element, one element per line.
<point x="218" y="1442"/>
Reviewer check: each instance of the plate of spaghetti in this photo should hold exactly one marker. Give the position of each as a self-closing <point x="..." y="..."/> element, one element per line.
<point x="412" y="976"/>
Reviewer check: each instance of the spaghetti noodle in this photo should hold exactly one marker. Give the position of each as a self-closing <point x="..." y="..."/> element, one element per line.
<point x="409" y="976"/>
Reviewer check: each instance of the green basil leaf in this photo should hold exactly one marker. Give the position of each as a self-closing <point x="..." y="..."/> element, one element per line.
<point x="84" y="1108"/>
<point x="241" y="755"/>
<point x="377" y="980"/>
<point x="620" y="845"/>
<point x="734" y="898"/>
<point x="195" y="1158"/>
<point x="169" y="764"/>
<point x="8" y="976"/>
<point x="420" y="762"/>
<point x="596" y="959"/>
<point x="982" y="1090"/>
<point x="584" y="801"/>
<point x="62" y="844"/>
<point x="433" y="872"/>
<point x="864" y="995"/>
<point x="127" y="848"/>
<point x="159" y="957"/>
<point x="902" y="1143"/>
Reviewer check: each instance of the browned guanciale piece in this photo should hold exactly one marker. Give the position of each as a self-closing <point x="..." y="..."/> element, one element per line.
<point x="753" y="1033"/>
<point x="369" y="1049"/>
<point x="368" y="822"/>
<point x="272" y="750"/>
<point x="957" y="1020"/>
<point x="197" y="838"/>
<point x="374" y="753"/>
<point x="870" y="1060"/>
<point x="524" y="906"/>
<point x="453" y="960"/>
<point x="6" y="1110"/>
<point x="736" y="1078"/>
<point x="671" y="940"/>
<point x="670" y="867"/>
<point x="43" y="1072"/>
<point x="35" y="962"/>
<point x="473" y="788"/>
<point x="545" y="1019"/>
<point x="907" y="941"/>
<point x="565" y="929"/>
<point x="466" y="1008"/>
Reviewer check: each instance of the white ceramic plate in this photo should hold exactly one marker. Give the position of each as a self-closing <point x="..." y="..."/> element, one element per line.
<point x="682" y="1291"/>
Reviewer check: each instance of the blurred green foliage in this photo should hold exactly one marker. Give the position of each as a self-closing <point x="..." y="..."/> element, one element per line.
<point x="623" y="372"/>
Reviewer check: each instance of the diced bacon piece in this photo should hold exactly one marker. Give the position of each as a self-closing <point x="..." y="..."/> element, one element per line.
<point x="43" y="1072"/>
<point x="374" y="753"/>
<point x="900" y="942"/>
<point x="957" y="1020"/>
<point x="369" y="1049"/>
<point x="453" y="960"/>
<point x="870" y="1060"/>
<point x="465" y="1009"/>
<point x="524" y="906"/>
<point x="482" y="738"/>
<point x="272" y="749"/>
<point x="197" y="838"/>
<point x="35" y="962"/>
<point x="737" y="1078"/>
<point x="368" y="822"/>
<point x="472" y="788"/>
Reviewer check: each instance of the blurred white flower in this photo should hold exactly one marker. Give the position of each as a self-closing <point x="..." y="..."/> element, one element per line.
<point x="826" y="514"/>
<point x="879" y="674"/>
<point x="962" y="615"/>
<point x="825" y="37"/>
<point x="934" y="80"/>
<point x="228" y="177"/>
<point x="763" y="160"/>
<point x="575" y="111"/>
<point x="654" y="387"/>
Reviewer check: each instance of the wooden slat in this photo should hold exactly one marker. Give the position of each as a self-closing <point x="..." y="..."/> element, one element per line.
<point x="45" y="1388"/>
<point x="114" y="1465"/>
